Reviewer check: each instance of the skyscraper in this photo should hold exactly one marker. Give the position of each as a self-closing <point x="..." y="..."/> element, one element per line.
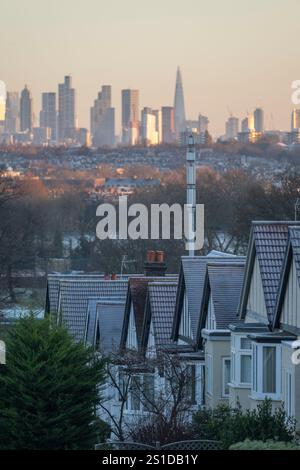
<point x="202" y="123"/>
<point x="103" y="119"/>
<point x="259" y="120"/>
<point x="25" y="110"/>
<point x="248" y="123"/>
<point x="168" y="129"/>
<point x="150" y="125"/>
<point x="12" y="111"/>
<point x="179" y="109"/>
<point x="130" y="117"/>
<point x="48" y="116"/>
<point x="231" y="128"/>
<point x="158" y="124"/>
<point x="295" y="120"/>
<point x="66" y="110"/>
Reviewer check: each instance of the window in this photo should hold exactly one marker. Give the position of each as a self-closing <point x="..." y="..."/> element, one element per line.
<point x="266" y="371"/>
<point x="245" y="376"/>
<point x="148" y="391"/>
<point x="226" y="363"/>
<point x="209" y="374"/>
<point x="269" y="369"/>
<point x="241" y="358"/>
<point x="191" y="383"/>
<point x="135" y="393"/>
<point x="288" y="393"/>
<point x="245" y="343"/>
<point x="122" y="385"/>
<point x="138" y="389"/>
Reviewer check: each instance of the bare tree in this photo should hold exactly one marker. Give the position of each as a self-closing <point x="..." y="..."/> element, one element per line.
<point x="164" y="403"/>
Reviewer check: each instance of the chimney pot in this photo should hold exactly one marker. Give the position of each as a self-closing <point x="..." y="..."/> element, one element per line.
<point x="155" y="264"/>
<point x="159" y="256"/>
<point x="150" y="256"/>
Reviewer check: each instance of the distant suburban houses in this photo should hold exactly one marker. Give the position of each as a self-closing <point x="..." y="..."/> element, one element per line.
<point x="231" y="323"/>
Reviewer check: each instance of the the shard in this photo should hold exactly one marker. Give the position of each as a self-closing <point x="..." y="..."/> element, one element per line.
<point x="179" y="109"/>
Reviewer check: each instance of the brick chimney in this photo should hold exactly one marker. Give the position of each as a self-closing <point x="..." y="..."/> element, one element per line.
<point x="155" y="264"/>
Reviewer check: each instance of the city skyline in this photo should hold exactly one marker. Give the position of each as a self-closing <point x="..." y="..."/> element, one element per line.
<point x="62" y="106"/>
<point x="232" y="55"/>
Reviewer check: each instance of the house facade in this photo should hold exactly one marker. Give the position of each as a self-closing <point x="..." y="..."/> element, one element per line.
<point x="261" y="342"/>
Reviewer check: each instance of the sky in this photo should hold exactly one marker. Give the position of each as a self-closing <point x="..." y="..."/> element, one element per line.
<point x="234" y="55"/>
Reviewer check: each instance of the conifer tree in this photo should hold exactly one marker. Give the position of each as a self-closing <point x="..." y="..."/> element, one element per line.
<point x="49" y="389"/>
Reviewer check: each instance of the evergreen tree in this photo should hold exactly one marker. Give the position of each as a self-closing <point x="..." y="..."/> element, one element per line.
<point x="49" y="389"/>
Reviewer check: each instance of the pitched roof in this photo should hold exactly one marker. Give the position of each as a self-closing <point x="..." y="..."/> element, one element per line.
<point x="223" y="285"/>
<point x="160" y="309"/>
<point x="294" y="236"/>
<point x="136" y="296"/>
<point x="268" y="241"/>
<point x="292" y="253"/>
<point x="191" y="281"/>
<point x="52" y="291"/>
<point x="105" y="317"/>
<point x="74" y="295"/>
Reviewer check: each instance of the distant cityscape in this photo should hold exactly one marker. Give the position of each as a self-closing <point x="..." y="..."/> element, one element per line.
<point x="58" y="123"/>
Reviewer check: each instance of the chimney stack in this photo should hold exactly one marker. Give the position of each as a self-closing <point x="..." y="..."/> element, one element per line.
<point x="155" y="265"/>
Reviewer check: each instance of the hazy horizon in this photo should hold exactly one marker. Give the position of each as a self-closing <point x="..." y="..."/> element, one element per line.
<point x="232" y="54"/>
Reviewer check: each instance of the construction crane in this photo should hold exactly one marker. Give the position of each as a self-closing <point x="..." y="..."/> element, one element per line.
<point x="229" y="111"/>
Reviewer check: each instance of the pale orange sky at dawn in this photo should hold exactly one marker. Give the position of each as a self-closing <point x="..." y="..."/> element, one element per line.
<point x="234" y="54"/>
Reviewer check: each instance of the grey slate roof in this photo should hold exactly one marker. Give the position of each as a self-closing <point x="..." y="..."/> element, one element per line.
<point x="292" y="253"/>
<point x="105" y="318"/>
<point x="160" y="309"/>
<point x="74" y="295"/>
<point x="137" y="298"/>
<point x="268" y="240"/>
<point x="192" y="277"/>
<point x="53" y="281"/>
<point x="225" y="281"/>
<point x="294" y="236"/>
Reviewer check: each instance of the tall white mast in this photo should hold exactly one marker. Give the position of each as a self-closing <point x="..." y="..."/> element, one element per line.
<point x="191" y="193"/>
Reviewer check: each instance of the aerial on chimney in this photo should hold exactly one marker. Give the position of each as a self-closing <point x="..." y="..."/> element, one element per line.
<point x="155" y="264"/>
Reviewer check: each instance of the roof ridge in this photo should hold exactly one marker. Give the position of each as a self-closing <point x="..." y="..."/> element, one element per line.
<point x="275" y="222"/>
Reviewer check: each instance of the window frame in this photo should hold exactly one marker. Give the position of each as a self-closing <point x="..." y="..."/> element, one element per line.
<point x="258" y="372"/>
<point x="289" y="392"/>
<point x="237" y="352"/>
<point x="209" y="374"/>
<point x="226" y="384"/>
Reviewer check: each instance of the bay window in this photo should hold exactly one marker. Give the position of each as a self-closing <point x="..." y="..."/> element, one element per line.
<point x="241" y="358"/>
<point x="137" y="391"/>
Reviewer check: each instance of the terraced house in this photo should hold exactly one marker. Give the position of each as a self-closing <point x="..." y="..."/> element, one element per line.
<point x="231" y="323"/>
<point x="262" y="340"/>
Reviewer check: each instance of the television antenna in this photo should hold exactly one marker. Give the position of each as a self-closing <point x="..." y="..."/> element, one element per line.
<point x="125" y="262"/>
